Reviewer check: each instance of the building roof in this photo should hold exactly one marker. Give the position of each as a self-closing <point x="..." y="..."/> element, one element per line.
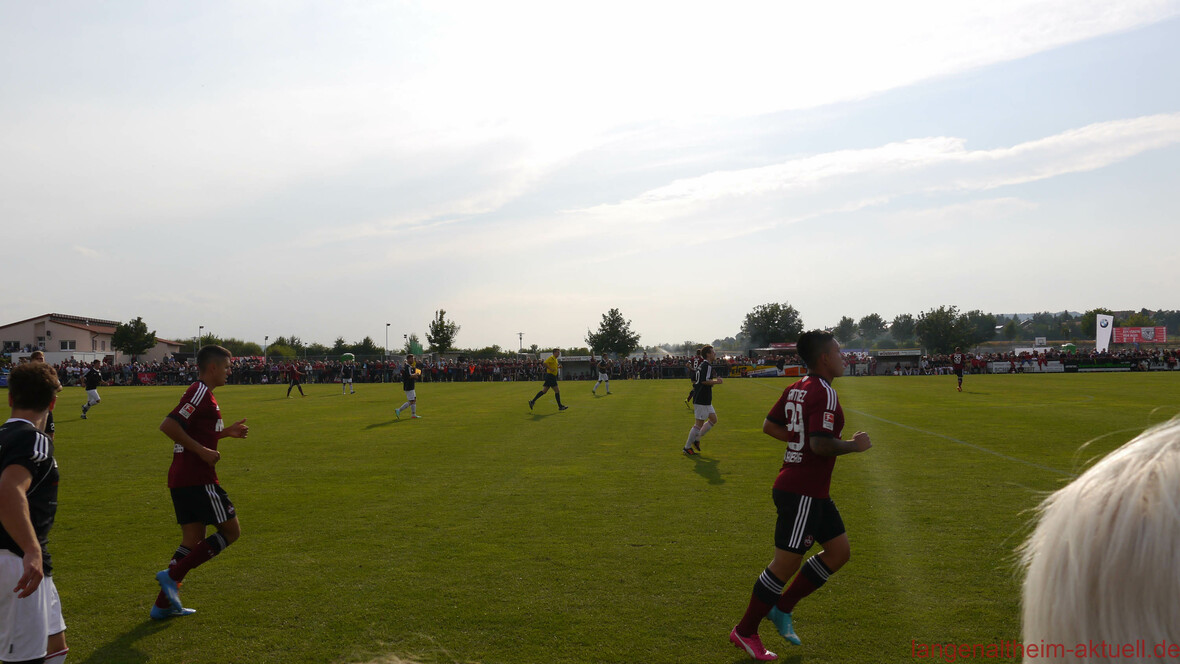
<point x="73" y="321"/>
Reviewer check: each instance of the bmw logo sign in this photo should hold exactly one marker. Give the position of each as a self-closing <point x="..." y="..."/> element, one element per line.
<point x="1104" y="322"/>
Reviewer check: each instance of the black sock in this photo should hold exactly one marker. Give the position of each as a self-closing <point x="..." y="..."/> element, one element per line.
<point x="539" y="395"/>
<point x="558" y="395"/>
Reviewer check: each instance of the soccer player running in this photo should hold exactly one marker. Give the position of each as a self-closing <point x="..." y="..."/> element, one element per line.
<point x="807" y="417"/>
<point x="31" y="625"/>
<point x="293" y="376"/>
<point x="702" y="398"/>
<point x="92" y="378"/>
<point x="195" y="426"/>
<point x="957" y="361"/>
<point x="603" y="375"/>
<point x="410" y="373"/>
<point x="552" y="364"/>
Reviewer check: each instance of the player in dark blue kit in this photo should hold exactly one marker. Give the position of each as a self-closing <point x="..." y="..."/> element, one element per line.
<point x="31" y="624"/>
<point x="410" y="373"/>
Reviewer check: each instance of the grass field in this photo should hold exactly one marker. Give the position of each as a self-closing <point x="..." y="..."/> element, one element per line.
<point x="488" y="533"/>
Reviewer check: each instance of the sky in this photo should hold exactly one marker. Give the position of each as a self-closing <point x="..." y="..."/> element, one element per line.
<point x="325" y="169"/>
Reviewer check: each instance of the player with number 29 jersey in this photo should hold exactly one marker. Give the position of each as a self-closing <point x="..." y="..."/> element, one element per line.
<point x="807" y="407"/>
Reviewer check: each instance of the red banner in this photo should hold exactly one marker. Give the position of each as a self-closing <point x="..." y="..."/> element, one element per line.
<point x="1141" y="335"/>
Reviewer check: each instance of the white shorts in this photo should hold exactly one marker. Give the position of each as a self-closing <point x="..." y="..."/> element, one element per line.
<point x="603" y="376"/>
<point x="346" y="381"/>
<point x="25" y="624"/>
<point x="92" y="397"/>
<point x="410" y="395"/>
<point x="703" y="412"/>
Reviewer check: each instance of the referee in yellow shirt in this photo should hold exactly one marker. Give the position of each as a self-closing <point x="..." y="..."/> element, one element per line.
<point x="551" y="366"/>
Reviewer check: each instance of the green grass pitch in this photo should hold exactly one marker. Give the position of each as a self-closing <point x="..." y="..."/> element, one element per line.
<point x="488" y="533"/>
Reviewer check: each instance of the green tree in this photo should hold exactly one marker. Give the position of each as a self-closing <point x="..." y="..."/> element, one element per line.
<point x="413" y="345"/>
<point x="975" y="327"/>
<point x="441" y="332"/>
<point x="1011" y="330"/>
<point x="133" y="338"/>
<point x="902" y="328"/>
<point x="871" y="326"/>
<point x="238" y="347"/>
<point x="845" y="330"/>
<point x="280" y="350"/>
<point x="340" y="346"/>
<point x="614" y="335"/>
<point x="316" y="349"/>
<point x="366" y="347"/>
<point x="773" y="322"/>
<point x="936" y="329"/>
<point x="1140" y="319"/>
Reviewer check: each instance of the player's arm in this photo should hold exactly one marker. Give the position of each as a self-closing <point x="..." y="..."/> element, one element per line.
<point x="176" y="432"/>
<point x="776" y="430"/>
<point x="825" y="444"/>
<point x="236" y="430"/>
<point x="14" y="516"/>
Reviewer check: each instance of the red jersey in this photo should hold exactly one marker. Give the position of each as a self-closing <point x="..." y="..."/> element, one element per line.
<point x="807" y="408"/>
<point x="957" y="360"/>
<point x="200" y="416"/>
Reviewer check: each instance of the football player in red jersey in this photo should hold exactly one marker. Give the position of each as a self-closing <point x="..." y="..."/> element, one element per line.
<point x="807" y="417"/>
<point x="957" y="362"/>
<point x="195" y="426"/>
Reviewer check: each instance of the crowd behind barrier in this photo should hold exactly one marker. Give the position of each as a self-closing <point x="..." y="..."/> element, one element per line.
<point x="256" y="371"/>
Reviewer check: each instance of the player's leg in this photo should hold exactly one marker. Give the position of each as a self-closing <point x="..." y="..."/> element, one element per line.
<point x="693" y="435"/>
<point x="540" y="394"/>
<point x="413" y="408"/>
<point x="55" y="646"/>
<point x="594" y="390"/>
<point x="300" y="386"/>
<point x="557" y="394"/>
<point x="767" y="591"/>
<point x="708" y="425"/>
<point x="289" y="386"/>
<point x="829" y="530"/>
<point x="608" y="385"/>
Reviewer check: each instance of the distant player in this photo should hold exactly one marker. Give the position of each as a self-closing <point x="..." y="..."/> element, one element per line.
<point x="410" y="373"/>
<point x="92" y="379"/>
<point x="50" y="429"/>
<point x="31" y="625"/>
<point x="195" y="426"/>
<point x="603" y="375"/>
<point x="293" y="379"/>
<point x="552" y="364"/>
<point x="691" y="368"/>
<point x="957" y="362"/>
<point x="809" y="419"/>
<point x="702" y="400"/>
<point x="346" y="375"/>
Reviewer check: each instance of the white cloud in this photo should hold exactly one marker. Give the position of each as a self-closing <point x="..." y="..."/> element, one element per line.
<point x="873" y="176"/>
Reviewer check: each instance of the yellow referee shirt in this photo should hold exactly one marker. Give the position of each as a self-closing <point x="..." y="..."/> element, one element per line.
<point x="551" y="365"/>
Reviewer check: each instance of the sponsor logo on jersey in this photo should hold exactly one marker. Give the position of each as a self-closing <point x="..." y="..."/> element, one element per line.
<point x="830" y="421"/>
<point x="808" y="541"/>
<point x="187" y="410"/>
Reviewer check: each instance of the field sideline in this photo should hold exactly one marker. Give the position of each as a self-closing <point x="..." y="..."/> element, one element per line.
<point x="488" y="533"/>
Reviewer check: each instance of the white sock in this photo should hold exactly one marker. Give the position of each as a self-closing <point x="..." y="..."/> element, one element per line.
<point x="705" y="429"/>
<point x="595" y="388"/>
<point x="403" y="406"/>
<point x="693" y="434"/>
<point x="414" y="408"/>
<point x="608" y="386"/>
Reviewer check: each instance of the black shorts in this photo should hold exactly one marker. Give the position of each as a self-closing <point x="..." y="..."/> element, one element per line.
<point x="550" y="380"/>
<point x="205" y="504"/>
<point x="803" y="521"/>
<point x="959" y="372"/>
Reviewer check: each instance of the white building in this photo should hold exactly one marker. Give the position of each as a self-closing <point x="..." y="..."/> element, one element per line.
<point x="64" y="337"/>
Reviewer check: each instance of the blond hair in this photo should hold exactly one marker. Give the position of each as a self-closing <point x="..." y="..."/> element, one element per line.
<point x="1103" y="562"/>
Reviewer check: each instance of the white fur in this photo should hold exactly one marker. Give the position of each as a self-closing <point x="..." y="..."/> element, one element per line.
<point x="1104" y="560"/>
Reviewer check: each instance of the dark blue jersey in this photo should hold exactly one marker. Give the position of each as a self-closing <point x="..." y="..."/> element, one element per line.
<point x="22" y="444"/>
